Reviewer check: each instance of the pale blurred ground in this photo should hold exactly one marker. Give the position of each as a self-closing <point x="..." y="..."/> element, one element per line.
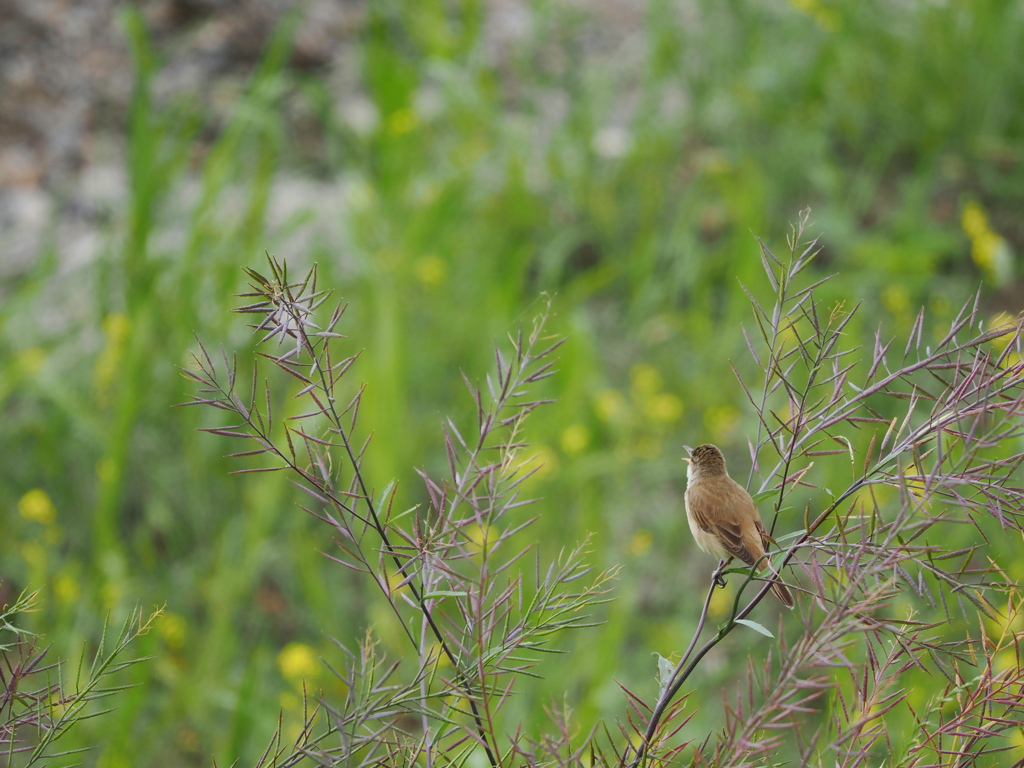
<point x="67" y="75"/>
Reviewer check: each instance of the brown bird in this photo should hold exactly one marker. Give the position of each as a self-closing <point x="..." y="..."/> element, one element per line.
<point x="722" y="516"/>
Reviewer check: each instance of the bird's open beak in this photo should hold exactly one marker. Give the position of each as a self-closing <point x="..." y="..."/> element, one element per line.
<point x="688" y="449"/>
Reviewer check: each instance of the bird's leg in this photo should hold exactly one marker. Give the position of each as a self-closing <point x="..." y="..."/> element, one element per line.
<point x="716" y="576"/>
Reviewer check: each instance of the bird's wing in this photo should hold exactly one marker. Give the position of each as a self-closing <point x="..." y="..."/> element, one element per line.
<point x="765" y="541"/>
<point x="732" y="518"/>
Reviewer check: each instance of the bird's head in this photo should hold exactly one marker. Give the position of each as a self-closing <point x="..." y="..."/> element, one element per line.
<point x="704" y="461"/>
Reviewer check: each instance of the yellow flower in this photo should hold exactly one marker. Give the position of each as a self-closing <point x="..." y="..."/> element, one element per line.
<point x="575" y="439"/>
<point x="989" y="250"/>
<point x="107" y="471"/>
<point x="610" y="405"/>
<point x="1009" y="622"/>
<point x="788" y="335"/>
<point x="298" y="660"/>
<point x="721" y="602"/>
<point x="941" y="306"/>
<point x="402" y="121"/>
<point x="37" y="506"/>
<point x="116" y="330"/>
<point x="664" y="407"/>
<point x="431" y="270"/>
<point x="646" y="379"/>
<point x="395" y="580"/>
<point x="1016" y="738"/>
<point x="827" y="17"/>
<point x="172" y="628"/>
<point x="973" y="220"/>
<point x="457" y="703"/>
<point x="290" y="702"/>
<point x="65" y="587"/>
<point x="984" y="250"/>
<point x="112" y="593"/>
<point x="441" y="660"/>
<point x="896" y="299"/>
<point x="641" y="542"/>
<point x="31" y="360"/>
<point x="862" y="502"/>
<point x="721" y="421"/>
<point x="34" y="556"/>
<point x="1005" y="659"/>
<point x="478" y="536"/>
<point x="1000" y="321"/>
<point x="545" y="460"/>
<point x="1013" y="360"/>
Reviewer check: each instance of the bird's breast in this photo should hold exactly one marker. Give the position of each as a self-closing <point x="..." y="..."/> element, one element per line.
<point x="708" y="542"/>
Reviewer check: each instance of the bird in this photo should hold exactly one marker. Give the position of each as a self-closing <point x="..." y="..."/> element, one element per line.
<point x="722" y="516"/>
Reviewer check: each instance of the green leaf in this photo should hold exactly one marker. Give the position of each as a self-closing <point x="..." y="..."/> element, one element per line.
<point x="400" y="515"/>
<point x="755" y="626"/>
<point x="792" y="535"/>
<point x="759" y="497"/>
<point x="382" y="500"/>
<point x="743" y="570"/>
<point x="446" y="593"/>
<point x="665" y="668"/>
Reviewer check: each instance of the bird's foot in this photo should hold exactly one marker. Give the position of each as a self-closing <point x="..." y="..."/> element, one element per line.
<point x="717" y="575"/>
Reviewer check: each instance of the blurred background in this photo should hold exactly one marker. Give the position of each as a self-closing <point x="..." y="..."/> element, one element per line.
<point x="445" y="162"/>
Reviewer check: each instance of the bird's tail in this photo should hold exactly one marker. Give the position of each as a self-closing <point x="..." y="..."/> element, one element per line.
<point x="778" y="587"/>
<point x="782" y="592"/>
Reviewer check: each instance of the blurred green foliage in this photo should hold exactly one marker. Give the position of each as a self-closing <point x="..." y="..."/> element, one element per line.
<point x="626" y="181"/>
